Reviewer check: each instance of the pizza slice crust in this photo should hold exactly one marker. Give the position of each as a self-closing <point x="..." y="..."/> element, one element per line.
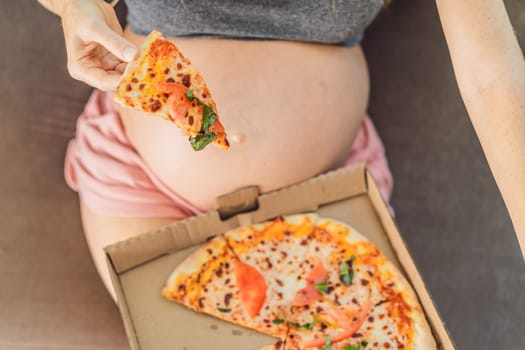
<point x="423" y="338"/>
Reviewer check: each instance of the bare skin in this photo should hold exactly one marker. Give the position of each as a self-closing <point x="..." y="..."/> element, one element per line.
<point x="261" y="106"/>
<point x="287" y="119"/>
<point x="490" y="71"/>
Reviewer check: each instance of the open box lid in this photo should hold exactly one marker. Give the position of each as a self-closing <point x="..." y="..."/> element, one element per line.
<point x="140" y="265"/>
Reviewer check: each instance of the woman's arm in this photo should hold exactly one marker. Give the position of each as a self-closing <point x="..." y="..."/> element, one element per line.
<point x="54" y="6"/>
<point x="490" y="71"/>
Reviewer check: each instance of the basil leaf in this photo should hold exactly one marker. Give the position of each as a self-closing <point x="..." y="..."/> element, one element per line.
<point x="208" y="114"/>
<point x="224" y="309"/>
<point x="328" y="343"/>
<point x="189" y="94"/>
<point x="208" y="117"/>
<point x="346" y="272"/>
<point x="200" y="141"/>
<point x="321" y="286"/>
<point x="309" y="325"/>
<point x="359" y="346"/>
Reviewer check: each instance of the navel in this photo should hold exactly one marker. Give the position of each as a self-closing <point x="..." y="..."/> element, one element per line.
<point x="236" y="138"/>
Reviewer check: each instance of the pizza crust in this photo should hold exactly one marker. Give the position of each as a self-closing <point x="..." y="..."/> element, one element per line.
<point x="194" y="262"/>
<point x="191" y="266"/>
<point x="423" y="338"/>
<point x="135" y="63"/>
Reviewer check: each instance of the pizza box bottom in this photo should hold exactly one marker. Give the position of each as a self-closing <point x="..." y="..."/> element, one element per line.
<point x="140" y="265"/>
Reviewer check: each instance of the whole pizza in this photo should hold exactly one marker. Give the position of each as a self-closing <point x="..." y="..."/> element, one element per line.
<point x="311" y="282"/>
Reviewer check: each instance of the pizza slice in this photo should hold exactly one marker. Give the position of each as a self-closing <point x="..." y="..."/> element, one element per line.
<point x="162" y="82"/>
<point x="355" y="297"/>
<point x="198" y="276"/>
<point x="214" y="281"/>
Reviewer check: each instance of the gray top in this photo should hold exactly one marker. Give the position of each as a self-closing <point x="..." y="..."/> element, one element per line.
<point x="339" y="22"/>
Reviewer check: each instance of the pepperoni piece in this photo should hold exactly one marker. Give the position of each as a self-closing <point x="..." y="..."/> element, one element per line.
<point x="349" y="320"/>
<point x="310" y="294"/>
<point x="252" y="287"/>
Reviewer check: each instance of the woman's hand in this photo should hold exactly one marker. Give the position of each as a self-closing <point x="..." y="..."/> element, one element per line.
<point x="97" y="52"/>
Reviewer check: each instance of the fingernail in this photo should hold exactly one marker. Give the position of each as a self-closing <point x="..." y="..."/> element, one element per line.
<point x="129" y="52"/>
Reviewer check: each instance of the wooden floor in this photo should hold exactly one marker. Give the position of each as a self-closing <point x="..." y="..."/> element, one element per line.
<point x="447" y="205"/>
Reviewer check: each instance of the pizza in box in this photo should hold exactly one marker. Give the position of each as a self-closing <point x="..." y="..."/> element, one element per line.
<point x="310" y="282"/>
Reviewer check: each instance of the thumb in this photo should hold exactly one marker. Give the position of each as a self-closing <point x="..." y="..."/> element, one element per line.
<point x="114" y="43"/>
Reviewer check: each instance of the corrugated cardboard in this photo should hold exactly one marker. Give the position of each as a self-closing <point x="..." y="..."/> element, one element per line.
<point x="140" y="266"/>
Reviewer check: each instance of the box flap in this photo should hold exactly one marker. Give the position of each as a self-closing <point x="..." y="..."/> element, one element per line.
<point x="306" y="196"/>
<point x="240" y="201"/>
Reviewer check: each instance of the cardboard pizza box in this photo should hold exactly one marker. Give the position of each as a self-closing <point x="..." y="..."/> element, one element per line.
<point x="140" y="266"/>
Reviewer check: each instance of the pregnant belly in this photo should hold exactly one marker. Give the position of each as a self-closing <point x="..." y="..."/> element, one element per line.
<point x="291" y="111"/>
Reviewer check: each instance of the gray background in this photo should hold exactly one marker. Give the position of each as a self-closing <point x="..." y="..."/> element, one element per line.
<point x="447" y="204"/>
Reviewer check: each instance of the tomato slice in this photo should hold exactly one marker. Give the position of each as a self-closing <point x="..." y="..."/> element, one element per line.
<point x="350" y="320"/>
<point x="310" y="294"/>
<point x="178" y="111"/>
<point x="172" y="88"/>
<point x="179" y="104"/>
<point x="306" y="296"/>
<point x="252" y="287"/>
<point x="318" y="274"/>
<point x="340" y="317"/>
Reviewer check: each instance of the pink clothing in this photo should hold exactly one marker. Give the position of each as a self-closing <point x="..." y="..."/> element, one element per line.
<point x="112" y="179"/>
